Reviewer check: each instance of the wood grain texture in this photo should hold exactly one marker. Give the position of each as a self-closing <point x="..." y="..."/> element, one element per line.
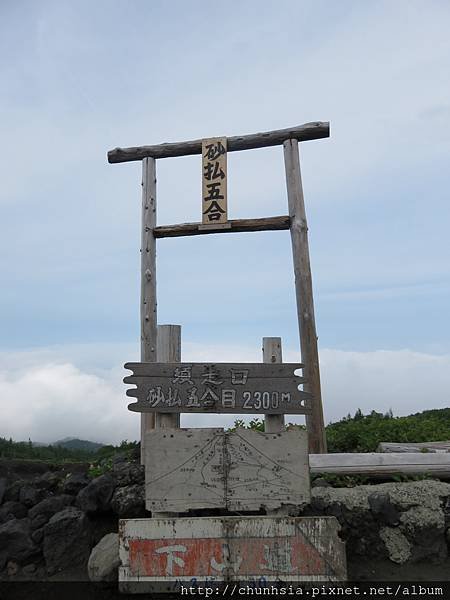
<point x="241" y="470"/>
<point x="148" y="279"/>
<point x="217" y="388"/>
<point x="168" y="351"/>
<point x="234" y="226"/>
<point x="272" y="353"/>
<point x="376" y="464"/>
<point x="411" y="447"/>
<point x="255" y="370"/>
<point x="308" y="131"/>
<point x="304" y="295"/>
<point x="214" y="181"/>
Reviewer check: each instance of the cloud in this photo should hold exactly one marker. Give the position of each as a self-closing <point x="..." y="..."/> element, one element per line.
<point x="45" y="399"/>
<point x="69" y="93"/>
<point x="53" y="401"/>
<point x="402" y="380"/>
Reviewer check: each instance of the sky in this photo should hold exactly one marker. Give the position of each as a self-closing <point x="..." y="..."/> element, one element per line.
<point x="80" y="78"/>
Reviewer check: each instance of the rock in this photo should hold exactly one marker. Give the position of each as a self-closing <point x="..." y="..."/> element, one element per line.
<point x="74" y="483"/>
<point x="416" y="508"/>
<point x="382" y="507"/>
<point x="66" y="540"/>
<point x="348" y="499"/>
<point x="13" y="490"/>
<point x="425" y="528"/>
<point x="96" y="496"/>
<point x="42" y="512"/>
<point x="446" y="509"/>
<point x="48" y="481"/>
<point x="135" y="453"/>
<point x="39" y="521"/>
<point x="11" y="510"/>
<point x="15" y="542"/>
<point x="417" y="493"/>
<point x="126" y="473"/>
<point x="421" y="522"/>
<point x="129" y="501"/>
<point x="119" y="458"/>
<point x="320" y="482"/>
<point x="104" y="559"/>
<point x="397" y="545"/>
<point x="29" y="569"/>
<point x="12" y="568"/>
<point x="3" y="484"/>
<point x="29" y="496"/>
<point x="37" y="535"/>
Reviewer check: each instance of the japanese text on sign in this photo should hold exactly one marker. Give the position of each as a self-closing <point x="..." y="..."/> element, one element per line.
<point x="214" y="181"/>
<point x="224" y="387"/>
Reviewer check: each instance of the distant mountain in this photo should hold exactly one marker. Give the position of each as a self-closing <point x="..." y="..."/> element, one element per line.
<point x="76" y="444"/>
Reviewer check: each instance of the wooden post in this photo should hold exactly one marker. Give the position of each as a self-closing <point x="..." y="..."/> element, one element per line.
<point x="304" y="295"/>
<point x="148" y="279"/>
<point x="168" y="350"/>
<point x="272" y="354"/>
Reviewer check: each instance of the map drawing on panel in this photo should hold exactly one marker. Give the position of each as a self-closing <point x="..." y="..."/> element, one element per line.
<point x="190" y="469"/>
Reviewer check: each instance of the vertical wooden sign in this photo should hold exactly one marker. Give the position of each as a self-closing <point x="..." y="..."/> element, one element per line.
<point x="214" y="181"/>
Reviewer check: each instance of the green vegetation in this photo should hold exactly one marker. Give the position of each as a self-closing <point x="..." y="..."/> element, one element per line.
<point x="363" y="433"/>
<point x="360" y="433"/>
<point x="58" y="454"/>
<point x="76" y="444"/>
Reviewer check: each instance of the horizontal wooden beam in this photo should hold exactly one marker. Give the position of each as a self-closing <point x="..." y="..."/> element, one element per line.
<point x="378" y="465"/>
<point x="236" y="226"/>
<point x="414" y="447"/>
<point x="302" y="133"/>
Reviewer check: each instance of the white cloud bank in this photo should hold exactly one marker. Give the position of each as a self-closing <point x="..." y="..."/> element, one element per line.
<point x="49" y="399"/>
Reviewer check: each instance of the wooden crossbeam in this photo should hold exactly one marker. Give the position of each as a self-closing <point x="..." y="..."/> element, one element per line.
<point x="302" y="133"/>
<point x="235" y="226"/>
<point x="381" y="465"/>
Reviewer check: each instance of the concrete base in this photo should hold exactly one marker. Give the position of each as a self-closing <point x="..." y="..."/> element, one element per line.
<point x="164" y="554"/>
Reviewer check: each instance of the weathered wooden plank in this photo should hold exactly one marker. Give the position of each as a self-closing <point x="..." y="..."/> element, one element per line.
<point x="272" y="353"/>
<point x="163" y="554"/>
<point x="168" y="351"/>
<point x="278" y="396"/>
<point x="196" y="369"/>
<point x="252" y="383"/>
<point x="304" y="295"/>
<point x="266" y="470"/>
<point x="217" y="388"/>
<point x="235" y="226"/>
<point x="381" y="465"/>
<point x="308" y="131"/>
<point x="184" y="469"/>
<point x="209" y="468"/>
<point x="411" y="447"/>
<point x="148" y="278"/>
<point x="214" y="181"/>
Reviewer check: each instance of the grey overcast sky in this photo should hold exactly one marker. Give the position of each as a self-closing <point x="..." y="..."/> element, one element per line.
<point x="79" y="78"/>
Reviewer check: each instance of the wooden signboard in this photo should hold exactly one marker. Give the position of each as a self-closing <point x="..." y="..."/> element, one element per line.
<point x="165" y="554"/>
<point x="214" y="181"/>
<point x="238" y="471"/>
<point x="246" y="388"/>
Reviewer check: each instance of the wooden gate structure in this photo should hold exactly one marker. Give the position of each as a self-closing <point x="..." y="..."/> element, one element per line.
<point x="162" y="344"/>
<point x="256" y="482"/>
